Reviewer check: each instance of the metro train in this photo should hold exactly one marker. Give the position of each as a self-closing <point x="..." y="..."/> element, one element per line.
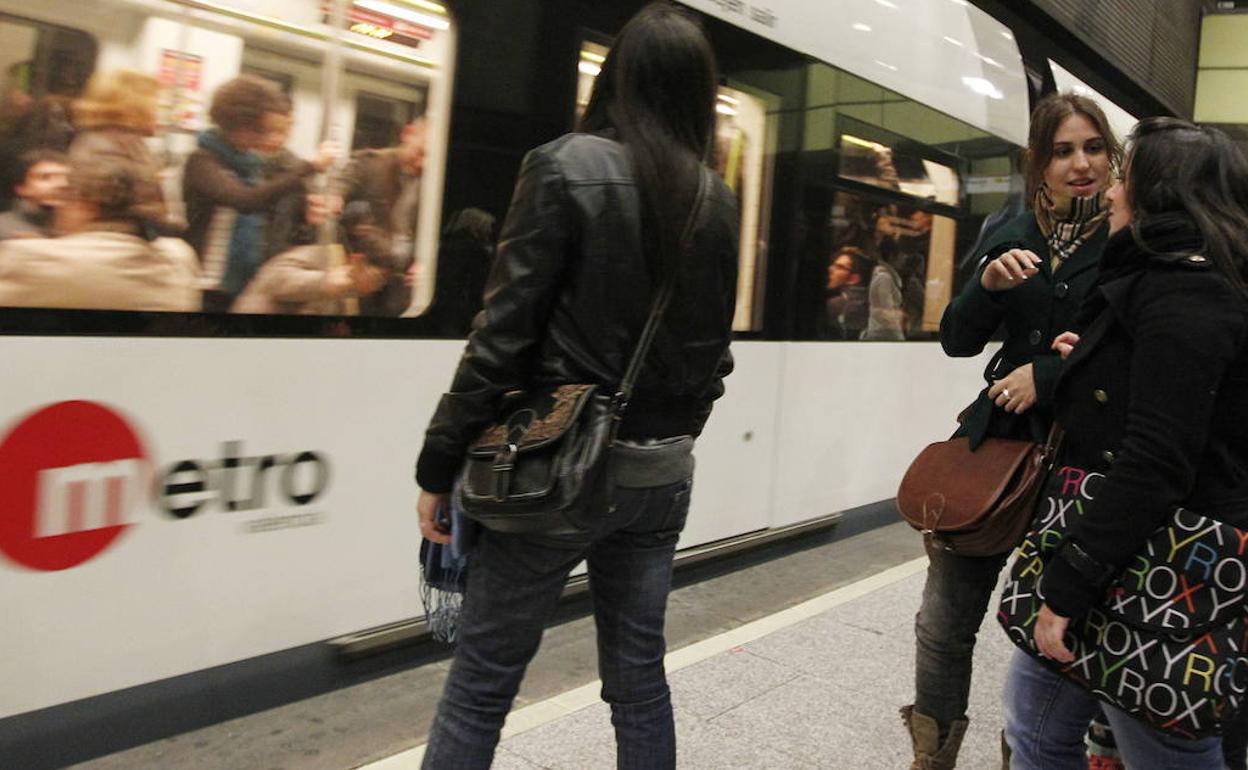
<point x="183" y="492"/>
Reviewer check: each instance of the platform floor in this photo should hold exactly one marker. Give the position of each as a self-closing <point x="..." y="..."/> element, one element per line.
<point x="799" y="661"/>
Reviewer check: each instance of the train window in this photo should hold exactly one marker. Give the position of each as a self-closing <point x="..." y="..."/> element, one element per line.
<point x="228" y="214"/>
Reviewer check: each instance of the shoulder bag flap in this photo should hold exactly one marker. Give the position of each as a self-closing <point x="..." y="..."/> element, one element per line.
<point x="534" y="420"/>
<point x="949" y="488"/>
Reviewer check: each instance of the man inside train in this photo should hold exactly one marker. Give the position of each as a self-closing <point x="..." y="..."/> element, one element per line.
<point x="44" y="181"/>
<point x="845" y="304"/>
<point x="389" y="180"/>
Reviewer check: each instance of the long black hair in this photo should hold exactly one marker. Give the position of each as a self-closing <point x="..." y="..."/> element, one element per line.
<point x="1175" y="167"/>
<point x="657" y="91"/>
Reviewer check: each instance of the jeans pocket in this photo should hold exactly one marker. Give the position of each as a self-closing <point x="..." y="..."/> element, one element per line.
<point x="678" y="507"/>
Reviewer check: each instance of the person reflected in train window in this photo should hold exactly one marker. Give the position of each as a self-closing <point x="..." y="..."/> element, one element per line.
<point x="45" y="180"/>
<point x="226" y="196"/>
<point x="845" y="305"/>
<point x="1032" y="278"/>
<point x="886" y="312"/>
<point x="596" y="226"/>
<point x="115" y="117"/>
<point x="389" y="181"/>
<point x="312" y="278"/>
<point x="45" y="124"/>
<point x="103" y="258"/>
<point x="464" y="258"/>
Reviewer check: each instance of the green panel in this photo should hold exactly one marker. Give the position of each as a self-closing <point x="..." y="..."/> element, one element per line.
<point x="1220" y="96"/>
<point x="821" y="81"/>
<point x="821" y="129"/>
<point x="1224" y="41"/>
<point x="854" y="89"/>
<point x="867" y="113"/>
<point x="925" y="125"/>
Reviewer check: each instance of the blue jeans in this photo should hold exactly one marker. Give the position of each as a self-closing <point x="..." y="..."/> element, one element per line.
<point x="514" y="583"/>
<point x="1047" y="716"/>
<point x="955" y="599"/>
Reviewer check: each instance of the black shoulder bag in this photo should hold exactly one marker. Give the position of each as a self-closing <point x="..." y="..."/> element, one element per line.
<point x="544" y="467"/>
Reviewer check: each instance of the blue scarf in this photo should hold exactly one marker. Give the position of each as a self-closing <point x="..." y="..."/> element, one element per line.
<point x="444" y="574"/>
<point x="247" y="240"/>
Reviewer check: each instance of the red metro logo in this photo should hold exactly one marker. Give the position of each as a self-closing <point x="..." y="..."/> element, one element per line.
<point x="72" y="477"/>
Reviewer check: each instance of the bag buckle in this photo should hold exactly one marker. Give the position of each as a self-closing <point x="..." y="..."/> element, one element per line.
<point x="619" y="403"/>
<point x="504" y="464"/>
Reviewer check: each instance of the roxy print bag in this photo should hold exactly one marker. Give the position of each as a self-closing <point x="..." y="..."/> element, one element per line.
<point x="1168" y="644"/>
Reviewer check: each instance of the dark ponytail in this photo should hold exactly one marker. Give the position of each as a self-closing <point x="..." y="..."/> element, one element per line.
<point x="657" y="91"/>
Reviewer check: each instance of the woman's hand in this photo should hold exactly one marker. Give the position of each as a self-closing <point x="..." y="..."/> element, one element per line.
<point x="328" y="154"/>
<point x="1016" y="391"/>
<point x="1050" y="628"/>
<point x="427" y="506"/>
<point x="1009" y="270"/>
<point x="1065" y="343"/>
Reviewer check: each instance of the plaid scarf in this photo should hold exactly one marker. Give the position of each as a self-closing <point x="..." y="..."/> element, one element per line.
<point x="1067" y="221"/>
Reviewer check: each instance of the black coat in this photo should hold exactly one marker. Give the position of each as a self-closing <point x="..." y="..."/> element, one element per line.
<point x="570" y="292"/>
<point x="1034" y="312"/>
<point x="1154" y="396"/>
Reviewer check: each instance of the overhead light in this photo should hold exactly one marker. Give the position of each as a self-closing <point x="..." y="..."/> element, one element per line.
<point x="726" y="99"/>
<point x="887" y="4"/>
<point x="886" y="65"/>
<point x="983" y="87"/>
<point x="1007" y="35"/>
<point x="594" y="57"/>
<point x="963" y="3"/>
<point x="989" y="60"/>
<point x="724" y="109"/>
<point x="589" y="68"/>
<point x="953" y="41"/>
<point x="861" y="27"/>
<point x="406" y="14"/>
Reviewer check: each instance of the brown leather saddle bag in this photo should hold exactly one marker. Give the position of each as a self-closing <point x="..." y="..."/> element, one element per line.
<point x="976" y="503"/>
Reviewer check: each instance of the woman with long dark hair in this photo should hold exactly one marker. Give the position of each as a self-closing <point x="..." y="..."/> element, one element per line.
<point x="1033" y="274"/>
<point x="1153" y="397"/>
<point x="595" y="228"/>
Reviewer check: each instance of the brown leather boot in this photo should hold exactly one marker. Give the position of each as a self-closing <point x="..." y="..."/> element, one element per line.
<point x="929" y="754"/>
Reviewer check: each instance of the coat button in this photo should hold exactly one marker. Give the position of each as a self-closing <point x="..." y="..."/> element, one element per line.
<point x="1107" y="456"/>
<point x="1061" y="290"/>
<point x="1101" y="396"/>
<point x="1035" y="337"/>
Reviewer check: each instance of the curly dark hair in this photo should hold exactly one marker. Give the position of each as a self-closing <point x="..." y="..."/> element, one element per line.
<point x="243" y="102"/>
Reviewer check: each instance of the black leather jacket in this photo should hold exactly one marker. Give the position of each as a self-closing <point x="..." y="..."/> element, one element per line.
<point x="570" y="292"/>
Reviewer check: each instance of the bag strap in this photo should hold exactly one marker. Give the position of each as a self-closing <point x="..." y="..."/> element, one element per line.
<point x="657" y="308"/>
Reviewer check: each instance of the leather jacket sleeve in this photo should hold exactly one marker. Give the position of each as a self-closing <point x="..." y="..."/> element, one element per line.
<point x="713" y="392"/>
<point x="523" y="287"/>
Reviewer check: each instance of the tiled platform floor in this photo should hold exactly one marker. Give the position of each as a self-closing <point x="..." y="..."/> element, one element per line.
<point x="822" y="693"/>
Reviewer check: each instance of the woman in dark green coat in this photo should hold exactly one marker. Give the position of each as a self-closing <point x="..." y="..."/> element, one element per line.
<point x="1032" y="279"/>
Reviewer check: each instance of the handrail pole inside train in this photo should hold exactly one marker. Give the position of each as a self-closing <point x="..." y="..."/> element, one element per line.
<point x="331" y="87"/>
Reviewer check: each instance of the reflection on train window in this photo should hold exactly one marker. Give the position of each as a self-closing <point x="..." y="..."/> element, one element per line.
<point x="889" y="271"/>
<point x="379" y="120"/>
<point x="212" y="119"/>
<point x="882" y="166"/>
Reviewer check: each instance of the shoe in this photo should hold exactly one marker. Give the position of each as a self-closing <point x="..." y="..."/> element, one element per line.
<point x="929" y="752"/>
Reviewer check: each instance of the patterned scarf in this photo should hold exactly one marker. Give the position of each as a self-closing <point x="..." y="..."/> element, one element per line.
<point x="1067" y="221"/>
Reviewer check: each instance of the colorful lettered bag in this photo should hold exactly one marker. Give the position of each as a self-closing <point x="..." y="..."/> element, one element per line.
<point x="1168" y="645"/>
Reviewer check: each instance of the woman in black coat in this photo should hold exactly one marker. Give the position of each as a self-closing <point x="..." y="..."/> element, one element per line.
<point x="595" y="227"/>
<point x="1154" y="396"/>
<point x="1032" y="278"/>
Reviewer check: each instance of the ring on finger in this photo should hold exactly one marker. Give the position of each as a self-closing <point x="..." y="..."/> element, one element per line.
<point x="1006" y="392"/>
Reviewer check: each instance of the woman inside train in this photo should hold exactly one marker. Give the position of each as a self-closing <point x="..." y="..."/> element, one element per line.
<point x="104" y="257"/>
<point x="1033" y="275"/>
<point x="114" y="118"/>
<point x="1152" y="397"/>
<point x="595" y="228"/>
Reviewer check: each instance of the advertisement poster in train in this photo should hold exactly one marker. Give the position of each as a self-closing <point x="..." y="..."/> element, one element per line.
<point x="181" y="100"/>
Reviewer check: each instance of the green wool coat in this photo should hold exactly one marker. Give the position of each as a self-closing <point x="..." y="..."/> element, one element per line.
<point x="1033" y="313"/>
